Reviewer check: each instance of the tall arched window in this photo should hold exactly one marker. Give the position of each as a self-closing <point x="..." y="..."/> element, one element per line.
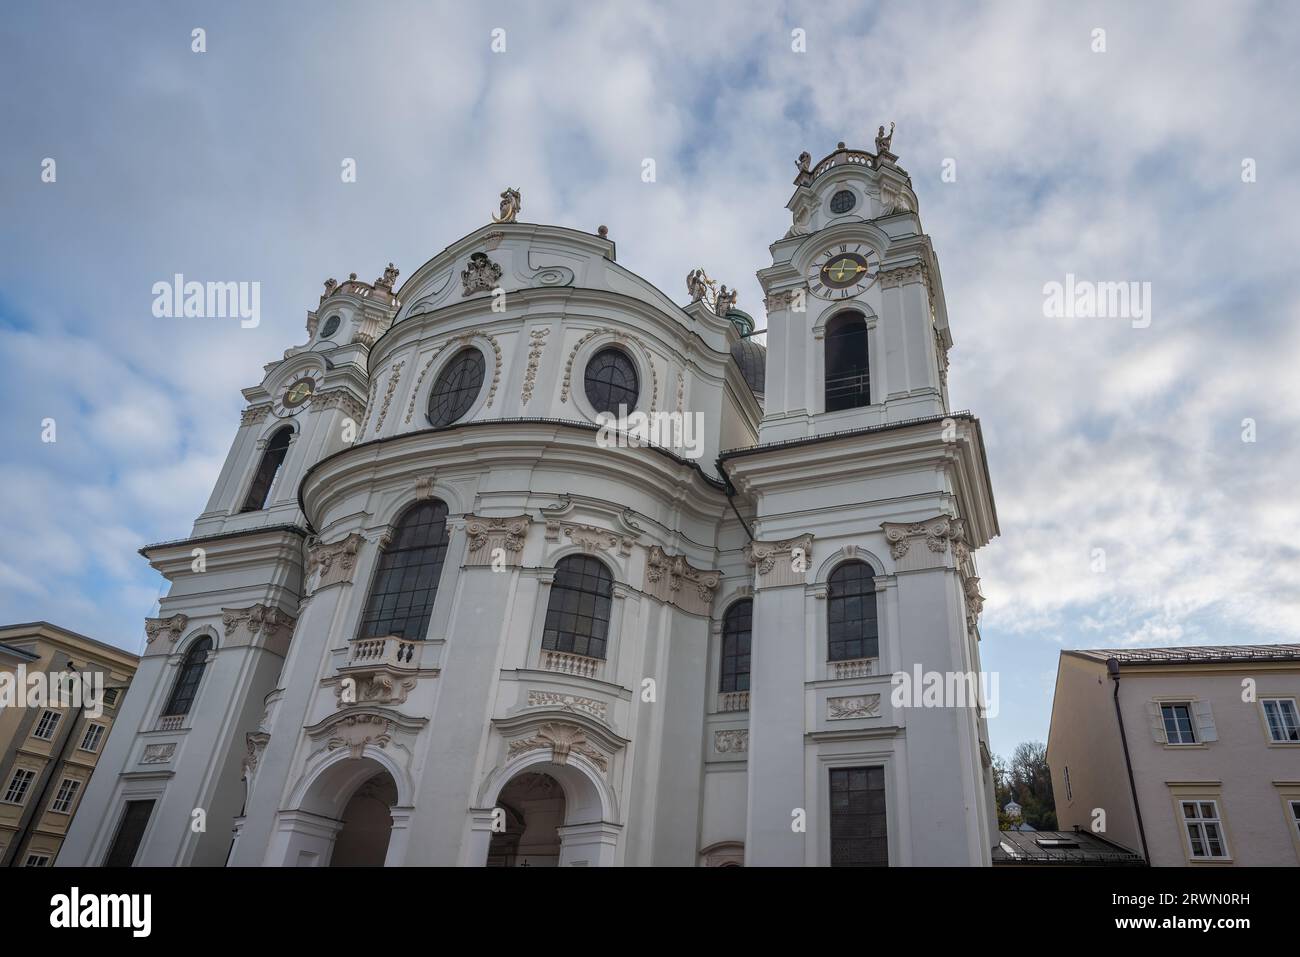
<point x="272" y="459"/>
<point x="848" y="378"/>
<point x="736" y="625"/>
<point x="577" y="616"/>
<point x="187" y="682"/>
<point x="406" y="582"/>
<point x="851" y="630"/>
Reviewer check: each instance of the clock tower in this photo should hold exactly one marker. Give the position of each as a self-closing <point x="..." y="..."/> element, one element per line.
<point x="870" y="498"/>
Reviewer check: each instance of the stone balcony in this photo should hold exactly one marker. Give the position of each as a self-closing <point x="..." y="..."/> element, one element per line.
<point x="568" y="664"/>
<point x="380" y="670"/>
<point x="733" y="701"/>
<point x="856" y="668"/>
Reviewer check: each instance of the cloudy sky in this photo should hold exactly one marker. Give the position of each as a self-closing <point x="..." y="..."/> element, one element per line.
<point x="1122" y="165"/>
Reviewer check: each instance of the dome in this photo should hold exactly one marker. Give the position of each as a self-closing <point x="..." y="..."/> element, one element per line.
<point x="751" y="356"/>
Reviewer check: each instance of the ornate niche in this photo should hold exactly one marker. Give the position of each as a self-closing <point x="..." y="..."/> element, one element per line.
<point x="780" y="563"/>
<point x="589" y="538"/>
<point x="260" y="626"/>
<point x="931" y="543"/>
<point x="674" y="580"/>
<point x="355" y="730"/>
<point x="336" y="562"/>
<point x="561" y="735"/>
<point x="480" y="274"/>
<point x="170" y="629"/>
<point x="493" y="539"/>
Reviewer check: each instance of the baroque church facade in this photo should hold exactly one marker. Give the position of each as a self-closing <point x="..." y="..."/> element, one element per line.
<point x="430" y="616"/>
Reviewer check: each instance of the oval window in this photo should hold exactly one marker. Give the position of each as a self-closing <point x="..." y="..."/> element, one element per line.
<point x="456" y="389"/>
<point x="611" y="381"/>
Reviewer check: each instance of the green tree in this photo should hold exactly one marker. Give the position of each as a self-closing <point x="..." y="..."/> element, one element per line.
<point x="1027" y="780"/>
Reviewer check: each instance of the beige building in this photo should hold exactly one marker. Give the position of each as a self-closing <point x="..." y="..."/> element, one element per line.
<point x="1190" y="756"/>
<point x="48" y="749"/>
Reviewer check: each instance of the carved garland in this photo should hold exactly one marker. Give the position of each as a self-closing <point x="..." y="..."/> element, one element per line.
<point x="513" y="529"/>
<point x="538" y="337"/>
<point x="393" y="379"/>
<point x="563" y="740"/>
<point x="171" y="627"/>
<point x="678" y="570"/>
<point x="370" y="404"/>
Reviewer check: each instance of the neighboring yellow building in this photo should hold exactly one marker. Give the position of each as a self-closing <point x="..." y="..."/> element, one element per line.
<point x="1190" y="756"/>
<point x="48" y="751"/>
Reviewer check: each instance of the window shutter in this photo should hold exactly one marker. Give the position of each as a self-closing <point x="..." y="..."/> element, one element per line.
<point x="1157" y="723"/>
<point x="1205" y="730"/>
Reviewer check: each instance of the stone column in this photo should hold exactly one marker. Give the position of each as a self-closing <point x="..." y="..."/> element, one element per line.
<point x="776" y="703"/>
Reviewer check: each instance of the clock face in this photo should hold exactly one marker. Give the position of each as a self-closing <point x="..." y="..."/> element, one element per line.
<point x="295" y="396"/>
<point x="843" y="271"/>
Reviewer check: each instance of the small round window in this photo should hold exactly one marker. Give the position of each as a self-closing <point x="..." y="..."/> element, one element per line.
<point x="843" y="201"/>
<point x="611" y="381"/>
<point x="456" y="389"/>
<point x="331" y="327"/>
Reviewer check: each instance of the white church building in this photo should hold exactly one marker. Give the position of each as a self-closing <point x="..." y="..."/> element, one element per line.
<point x="437" y="612"/>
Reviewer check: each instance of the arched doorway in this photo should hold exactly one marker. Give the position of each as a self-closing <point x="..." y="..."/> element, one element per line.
<point x="532" y="809"/>
<point x="367" y="824"/>
<point x="350" y="811"/>
<point x="555" y="813"/>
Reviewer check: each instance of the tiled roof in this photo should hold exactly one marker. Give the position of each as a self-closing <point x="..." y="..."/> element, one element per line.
<point x="1069" y="848"/>
<point x="1193" y="654"/>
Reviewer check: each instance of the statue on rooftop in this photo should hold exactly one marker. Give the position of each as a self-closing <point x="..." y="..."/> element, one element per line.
<point x="698" y="284"/>
<point x="883" y="141"/>
<point x="511" y="204"/>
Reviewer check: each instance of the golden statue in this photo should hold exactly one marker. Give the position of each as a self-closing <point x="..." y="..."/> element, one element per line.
<point x="511" y="203"/>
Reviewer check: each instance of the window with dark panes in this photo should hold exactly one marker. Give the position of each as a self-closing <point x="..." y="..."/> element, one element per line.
<point x="611" y="381"/>
<point x="130" y="831"/>
<point x="577" y="615"/>
<point x="848" y="376"/>
<point x="272" y="459"/>
<point x="851" y="627"/>
<point x="406" y="582"/>
<point x="859" y="833"/>
<point x="191" y="674"/>
<point x="736" y="634"/>
<point x="456" y="389"/>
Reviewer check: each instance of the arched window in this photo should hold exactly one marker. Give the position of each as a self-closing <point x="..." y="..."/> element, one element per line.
<point x="736" y="626"/>
<point x="187" y="682"/>
<point x="851" y="630"/>
<point x="406" y="582"/>
<point x="611" y="381"/>
<point x="848" y="378"/>
<point x="577" y="617"/>
<point x="272" y="459"/>
<point x="456" y="389"/>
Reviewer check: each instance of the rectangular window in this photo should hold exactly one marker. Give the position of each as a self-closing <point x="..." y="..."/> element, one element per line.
<point x="49" y="720"/>
<point x="94" y="734"/>
<point x="18" y="785"/>
<point x="110" y="696"/>
<point x="1204" y="830"/>
<point x="1069" y="792"/>
<point x="130" y="832"/>
<point x="1178" y="723"/>
<point x="38" y="860"/>
<point x="859" y="834"/>
<point x="1283" y="720"/>
<point x="67" y="793"/>
<point x="1295" y="816"/>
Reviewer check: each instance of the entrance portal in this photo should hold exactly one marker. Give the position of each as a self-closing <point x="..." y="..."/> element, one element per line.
<point x="367" y="824"/>
<point x="534" y="808"/>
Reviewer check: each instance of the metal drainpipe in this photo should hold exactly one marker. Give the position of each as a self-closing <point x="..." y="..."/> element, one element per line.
<point x="731" y="491"/>
<point x="1112" y="668"/>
